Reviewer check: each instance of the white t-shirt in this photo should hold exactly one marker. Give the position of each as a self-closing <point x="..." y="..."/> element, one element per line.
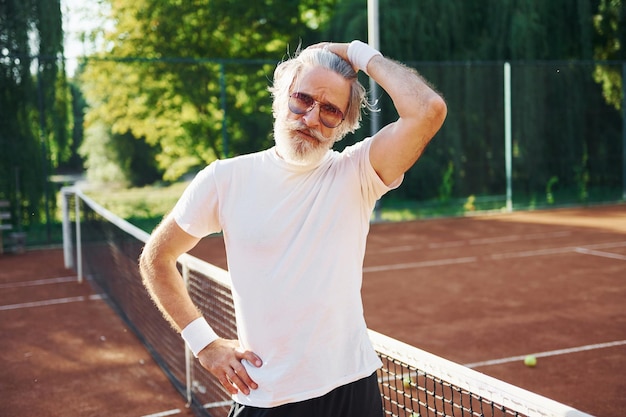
<point x="295" y="241"/>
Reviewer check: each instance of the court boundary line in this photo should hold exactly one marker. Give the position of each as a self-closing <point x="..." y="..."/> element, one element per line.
<point x="54" y="301"/>
<point x="556" y="251"/>
<point x="601" y="254"/>
<point x="45" y="281"/>
<point x="422" y="264"/>
<point x="475" y="242"/>
<point x="178" y="411"/>
<point x="549" y="353"/>
<point x="218" y="404"/>
<point x="164" y="413"/>
<point x="586" y="250"/>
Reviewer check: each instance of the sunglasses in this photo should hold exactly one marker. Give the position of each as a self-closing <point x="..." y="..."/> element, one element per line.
<point x="301" y="103"/>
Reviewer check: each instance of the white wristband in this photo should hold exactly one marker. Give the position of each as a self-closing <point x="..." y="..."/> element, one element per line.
<point x="360" y="53"/>
<point x="198" y="335"/>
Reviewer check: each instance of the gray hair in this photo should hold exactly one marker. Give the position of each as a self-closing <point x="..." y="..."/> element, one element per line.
<point x="287" y="72"/>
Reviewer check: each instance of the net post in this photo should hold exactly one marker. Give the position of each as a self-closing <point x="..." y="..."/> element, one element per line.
<point x="79" y="246"/>
<point x="67" y="232"/>
<point x="373" y="39"/>
<point x="623" y="131"/>
<point x="188" y="357"/>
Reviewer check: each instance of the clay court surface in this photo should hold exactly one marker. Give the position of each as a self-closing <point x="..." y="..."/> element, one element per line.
<point x="482" y="291"/>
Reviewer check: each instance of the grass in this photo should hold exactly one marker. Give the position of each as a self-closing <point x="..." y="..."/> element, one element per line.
<point x="139" y="203"/>
<point x="145" y="207"/>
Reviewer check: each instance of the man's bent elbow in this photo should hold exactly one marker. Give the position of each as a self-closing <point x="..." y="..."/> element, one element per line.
<point x="437" y="111"/>
<point x="146" y="265"/>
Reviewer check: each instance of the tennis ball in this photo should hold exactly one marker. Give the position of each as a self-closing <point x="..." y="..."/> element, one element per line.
<point x="406" y="382"/>
<point x="530" y="360"/>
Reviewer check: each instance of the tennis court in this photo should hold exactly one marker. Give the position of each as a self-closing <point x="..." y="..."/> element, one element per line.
<point x="480" y="291"/>
<point x="486" y="291"/>
<point x="64" y="351"/>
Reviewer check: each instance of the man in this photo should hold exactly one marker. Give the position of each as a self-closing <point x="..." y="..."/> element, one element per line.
<point x="295" y="220"/>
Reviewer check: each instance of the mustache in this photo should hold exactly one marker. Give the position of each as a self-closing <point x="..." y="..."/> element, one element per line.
<point x="295" y="125"/>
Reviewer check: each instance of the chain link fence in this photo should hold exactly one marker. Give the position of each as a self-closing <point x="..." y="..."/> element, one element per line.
<point x="563" y="144"/>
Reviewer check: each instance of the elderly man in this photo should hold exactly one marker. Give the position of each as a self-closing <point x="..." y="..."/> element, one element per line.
<point x="295" y="219"/>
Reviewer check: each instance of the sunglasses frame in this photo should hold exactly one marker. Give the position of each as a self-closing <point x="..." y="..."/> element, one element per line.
<point x="303" y="97"/>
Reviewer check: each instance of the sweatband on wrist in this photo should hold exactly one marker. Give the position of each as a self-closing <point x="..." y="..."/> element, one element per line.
<point x="198" y="335"/>
<point x="360" y="53"/>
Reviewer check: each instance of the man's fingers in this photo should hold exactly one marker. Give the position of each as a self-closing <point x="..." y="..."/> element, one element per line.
<point x="223" y="358"/>
<point x="251" y="357"/>
<point x="228" y="384"/>
<point x="242" y="375"/>
<point x="238" y="380"/>
<point x="235" y="380"/>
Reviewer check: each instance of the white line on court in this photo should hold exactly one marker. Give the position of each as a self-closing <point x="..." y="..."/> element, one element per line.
<point x="586" y="251"/>
<point x="439" y="262"/>
<point x="38" y="282"/>
<point x="445" y="245"/>
<point x="608" y="245"/>
<point x="556" y="251"/>
<point x="403" y="248"/>
<point x="529" y="253"/>
<point x="517" y="238"/>
<point x="473" y="242"/>
<point x="177" y="411"/>
<point x="546" y="354"/>
<point x="52" y="302"/>
<point x="505" y="255"/>
<point x="217" y="404"/>
<point x="164" y="413"/>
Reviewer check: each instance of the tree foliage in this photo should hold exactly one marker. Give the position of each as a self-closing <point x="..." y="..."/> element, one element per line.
<point x="610" y="26"/>
<point x="174" y="76"/>
<point x="471" y="30"/>
<point x="176" y="84"/>
<point x="34" y="104"/>
<point x="556" y="106"/>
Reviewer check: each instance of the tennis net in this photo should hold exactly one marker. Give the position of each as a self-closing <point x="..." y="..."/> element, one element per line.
<point x="104" y="249"/>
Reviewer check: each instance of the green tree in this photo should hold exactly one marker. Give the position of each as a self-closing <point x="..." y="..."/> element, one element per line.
<point x="610" y="25"/>
<point x="553" y="136"/>
<point x="34" y="104"/>
<point x="190" y="78"/>
<point x="186" y="82"/>
<point x="450" y="30"/>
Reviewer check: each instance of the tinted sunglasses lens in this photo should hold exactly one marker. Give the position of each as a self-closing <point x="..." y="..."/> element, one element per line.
<point x="330" y="116"/>
<point x="300" y="103"/>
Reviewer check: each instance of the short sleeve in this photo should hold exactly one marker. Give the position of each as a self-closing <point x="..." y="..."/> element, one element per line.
<point x="197" y="210"/>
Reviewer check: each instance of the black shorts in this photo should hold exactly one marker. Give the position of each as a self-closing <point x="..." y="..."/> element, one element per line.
<point x="357" y="399"/>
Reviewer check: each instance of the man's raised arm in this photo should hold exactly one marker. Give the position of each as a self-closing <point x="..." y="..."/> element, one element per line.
<point x="421" y="110"/>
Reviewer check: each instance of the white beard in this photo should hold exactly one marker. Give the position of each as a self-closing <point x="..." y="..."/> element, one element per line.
<point x="294" y="148"/>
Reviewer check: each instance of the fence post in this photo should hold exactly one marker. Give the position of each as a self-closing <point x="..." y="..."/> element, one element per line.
<point x="223" y="102"/>
<point x="623" y="130"/>
<point x="508" y="160"/>
<point x="373" y="39"/>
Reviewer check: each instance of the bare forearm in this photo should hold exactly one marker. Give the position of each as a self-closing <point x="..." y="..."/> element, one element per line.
<point x="421" y="112"/>
<point x="412" y="95"/>
<point x="167" y="289"/>
<point x="160" y="274"/>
